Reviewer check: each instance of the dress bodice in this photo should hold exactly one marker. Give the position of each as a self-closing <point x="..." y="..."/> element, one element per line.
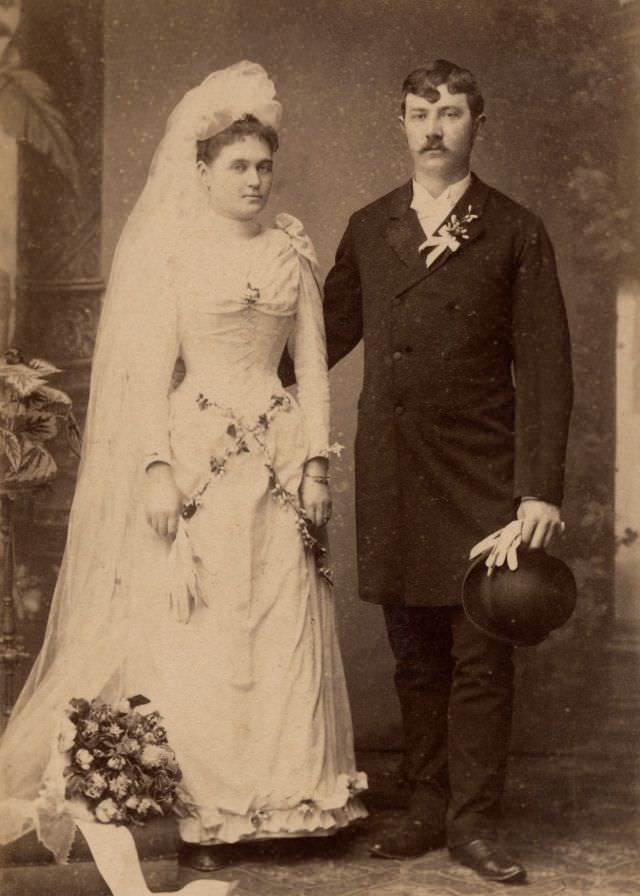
<point x="238" y="305"/>
<point x="234" y="325"/>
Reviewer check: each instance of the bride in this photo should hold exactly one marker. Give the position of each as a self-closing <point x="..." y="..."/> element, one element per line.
<point x="195" y="571"/>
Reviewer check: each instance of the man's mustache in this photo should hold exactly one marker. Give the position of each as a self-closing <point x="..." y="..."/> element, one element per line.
<point x="431" y="145"/>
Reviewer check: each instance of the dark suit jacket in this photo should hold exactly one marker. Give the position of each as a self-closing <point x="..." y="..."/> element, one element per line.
<point x="447" y="439"/>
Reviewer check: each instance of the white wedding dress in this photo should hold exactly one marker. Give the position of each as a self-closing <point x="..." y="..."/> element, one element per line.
<point x="229" y="629"/>
<point x="251" y="687"/>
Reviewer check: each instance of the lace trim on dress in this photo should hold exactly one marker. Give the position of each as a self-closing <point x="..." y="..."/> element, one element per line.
<point x="307" y="817"/>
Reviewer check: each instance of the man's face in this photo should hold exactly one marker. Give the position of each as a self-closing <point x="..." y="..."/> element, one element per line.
<point x="440" y="134"/>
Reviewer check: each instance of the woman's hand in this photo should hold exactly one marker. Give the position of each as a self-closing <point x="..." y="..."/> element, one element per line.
<point x="315" y="493"/>
<point x="162" y="499"/>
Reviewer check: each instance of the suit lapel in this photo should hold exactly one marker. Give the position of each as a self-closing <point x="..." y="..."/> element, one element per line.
<point x="404" y="233"/>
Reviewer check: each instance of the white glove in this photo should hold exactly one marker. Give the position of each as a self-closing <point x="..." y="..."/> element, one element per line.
<point x="500" y="546"/>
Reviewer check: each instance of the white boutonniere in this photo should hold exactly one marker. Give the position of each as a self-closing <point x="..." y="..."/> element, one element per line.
<point x="449" y="236"/>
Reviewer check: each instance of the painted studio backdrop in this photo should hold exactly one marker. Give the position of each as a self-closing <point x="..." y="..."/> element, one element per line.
<point x="561" y="138"/>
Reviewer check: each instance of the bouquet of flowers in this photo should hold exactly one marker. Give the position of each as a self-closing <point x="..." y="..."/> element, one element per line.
<point x="119" y="763"/>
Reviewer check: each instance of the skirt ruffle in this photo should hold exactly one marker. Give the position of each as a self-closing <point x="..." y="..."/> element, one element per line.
<point x="308" y="818"/>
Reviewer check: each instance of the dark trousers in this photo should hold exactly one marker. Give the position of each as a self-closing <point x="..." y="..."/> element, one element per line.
<point x="455" y="688"/>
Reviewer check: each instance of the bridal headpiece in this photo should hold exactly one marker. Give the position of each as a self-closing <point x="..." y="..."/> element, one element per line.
<point x="224" y="97"/>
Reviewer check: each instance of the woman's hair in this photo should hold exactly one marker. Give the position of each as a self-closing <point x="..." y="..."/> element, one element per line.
<point x="425" y="81"/>
<point x="247" y="126"/>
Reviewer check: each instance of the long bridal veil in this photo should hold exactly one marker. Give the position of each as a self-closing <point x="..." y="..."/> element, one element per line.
<point x="85" y="646"/>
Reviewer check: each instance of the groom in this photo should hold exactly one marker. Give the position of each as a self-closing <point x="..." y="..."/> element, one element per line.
<point x="462" y="426"/>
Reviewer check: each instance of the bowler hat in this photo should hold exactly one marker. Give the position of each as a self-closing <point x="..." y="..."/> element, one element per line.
<point x="520" y="606"/>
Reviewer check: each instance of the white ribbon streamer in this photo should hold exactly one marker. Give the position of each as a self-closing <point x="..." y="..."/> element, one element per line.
<point x="114" y="852"/>
<point x="185" y="593"/>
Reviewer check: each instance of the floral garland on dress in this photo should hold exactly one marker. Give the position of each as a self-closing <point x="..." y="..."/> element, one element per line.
<point x="241" y="434"/>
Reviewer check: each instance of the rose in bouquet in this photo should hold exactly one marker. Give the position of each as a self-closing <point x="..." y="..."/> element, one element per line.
<point x="119" y="763"/>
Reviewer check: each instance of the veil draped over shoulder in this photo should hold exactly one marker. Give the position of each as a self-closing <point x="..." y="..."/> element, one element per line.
<point x="84" y="649"/>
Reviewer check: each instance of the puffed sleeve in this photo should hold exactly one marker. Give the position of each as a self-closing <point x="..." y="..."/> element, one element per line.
<point x="307" y="344"/>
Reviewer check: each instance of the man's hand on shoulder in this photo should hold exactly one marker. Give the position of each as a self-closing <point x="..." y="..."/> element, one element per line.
<point x="540" y="522"/>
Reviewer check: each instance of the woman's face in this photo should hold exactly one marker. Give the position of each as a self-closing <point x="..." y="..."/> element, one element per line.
<point x="239" y="178"/>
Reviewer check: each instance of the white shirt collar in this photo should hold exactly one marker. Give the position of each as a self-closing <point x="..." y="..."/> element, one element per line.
<point x="426" y="204"/>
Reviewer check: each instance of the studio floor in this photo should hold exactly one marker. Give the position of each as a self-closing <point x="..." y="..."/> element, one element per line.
<point x="571" y="816"/>
<point x="574" y="824"/>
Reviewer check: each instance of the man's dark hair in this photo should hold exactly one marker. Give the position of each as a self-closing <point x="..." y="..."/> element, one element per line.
<point x="424" y="81"/>
<point x="247" y="126"/>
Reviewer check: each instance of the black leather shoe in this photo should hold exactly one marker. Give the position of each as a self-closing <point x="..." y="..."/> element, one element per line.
<point x="203" y="858"/>
<point x="490" y="861"/>
<point x="409" y="838"/>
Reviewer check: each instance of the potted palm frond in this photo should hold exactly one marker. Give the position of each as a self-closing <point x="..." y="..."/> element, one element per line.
<point x="27" y="110"/>
<point x="28" y="117"/>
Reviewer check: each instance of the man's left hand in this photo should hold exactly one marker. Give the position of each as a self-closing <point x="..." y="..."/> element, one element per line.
<point x="540" y="522"/>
